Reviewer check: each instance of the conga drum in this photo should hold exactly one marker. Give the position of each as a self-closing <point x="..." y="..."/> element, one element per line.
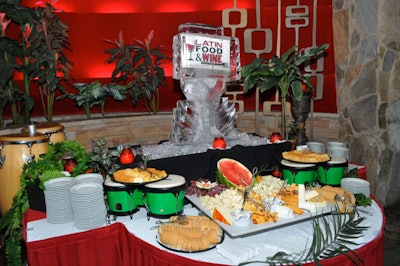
<point x="332" y="172"/>
<point x="165" y="198"/>
<point x="53" y="130"/>
<point x="298" y="173"/>
<point x="15" y="151"/>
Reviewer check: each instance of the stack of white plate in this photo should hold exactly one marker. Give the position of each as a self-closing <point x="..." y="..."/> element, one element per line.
<point x="356" y="185"/>
<point x="57" y="197"/>
<point x="89" y="178"/>
<point x="88" y="205"/>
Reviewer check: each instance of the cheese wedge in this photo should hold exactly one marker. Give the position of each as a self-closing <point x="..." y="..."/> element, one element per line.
<point x="310" y="194"/>
<point x="318" y="200"/>
<point x="222" y="214"/>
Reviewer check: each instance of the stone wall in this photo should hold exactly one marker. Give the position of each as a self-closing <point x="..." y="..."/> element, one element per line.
<point x="150" y="129"/>
<point x="367" y="55"/>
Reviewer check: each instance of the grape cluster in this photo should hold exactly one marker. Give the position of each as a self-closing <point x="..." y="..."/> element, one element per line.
<point x="193" y="189"/>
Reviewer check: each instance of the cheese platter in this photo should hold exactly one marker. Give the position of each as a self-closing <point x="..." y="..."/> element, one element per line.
<point x="235" y="231"/>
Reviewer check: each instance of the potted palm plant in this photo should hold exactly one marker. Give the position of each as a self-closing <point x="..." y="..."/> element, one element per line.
<point x="139" y="66"/>
<point x="38" y="53"/>
<point x="284" y="73"/>
<point x="50" y="65"/>
<point x="14" y="57"/>
<point x="95" y="93"/>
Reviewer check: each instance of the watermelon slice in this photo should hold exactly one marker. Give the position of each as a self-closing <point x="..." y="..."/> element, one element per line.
<point x="232" y="173"/>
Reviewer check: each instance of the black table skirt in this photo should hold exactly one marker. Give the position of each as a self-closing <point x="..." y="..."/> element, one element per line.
<point x="204" y="165"/>
<point x="199" y="165"/>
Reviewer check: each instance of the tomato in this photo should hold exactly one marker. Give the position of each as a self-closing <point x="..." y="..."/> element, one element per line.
<point x="303" y="87"/>
<point x="275" y="136"/>
<point x="277" y="173"/>
<point x="219" y="143"/>
<point x="70" y="165"/>
<point x="126" y="156"/>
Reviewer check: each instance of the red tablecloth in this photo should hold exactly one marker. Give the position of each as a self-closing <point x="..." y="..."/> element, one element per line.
<point x="114" y="245"/>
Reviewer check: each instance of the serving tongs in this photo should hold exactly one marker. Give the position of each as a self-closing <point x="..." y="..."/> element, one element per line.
<point x="269" y="204"/>
<point x="249" y="187"/>
<point x="343" y="200"/>
<point x="181" y="219"/>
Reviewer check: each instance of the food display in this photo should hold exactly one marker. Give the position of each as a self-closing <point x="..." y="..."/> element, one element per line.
<point x="195" y="233"/>
<point x="232" y="199"/>
<point x="137" y="175"/>
<point x="247" y="204"/>
<point x="336" y="195"/>
<point x="199" y="190"/>
<point x="305" y="156"/>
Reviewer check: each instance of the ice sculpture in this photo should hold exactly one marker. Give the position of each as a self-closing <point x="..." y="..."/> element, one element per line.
<point x="204" y="60"/>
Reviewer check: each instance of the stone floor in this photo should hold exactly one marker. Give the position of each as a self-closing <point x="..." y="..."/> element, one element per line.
<point x="392" y="237"/>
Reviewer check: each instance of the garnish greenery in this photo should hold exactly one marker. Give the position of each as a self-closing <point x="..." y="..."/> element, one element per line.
<point x="362" y="200"/>
<point x="45" y="176"/>
<point x="104" y="159"/>
<point x="331" y="236"/>
<point x="44" y="166"/>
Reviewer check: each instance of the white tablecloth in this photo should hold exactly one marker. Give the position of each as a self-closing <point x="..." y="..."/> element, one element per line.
<point x="293" y="238"/>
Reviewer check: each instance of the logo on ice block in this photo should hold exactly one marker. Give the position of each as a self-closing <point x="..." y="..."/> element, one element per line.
<point x="205" y="52"/>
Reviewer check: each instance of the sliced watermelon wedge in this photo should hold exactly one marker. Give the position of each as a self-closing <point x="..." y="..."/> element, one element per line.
<point x="232" y="173"/>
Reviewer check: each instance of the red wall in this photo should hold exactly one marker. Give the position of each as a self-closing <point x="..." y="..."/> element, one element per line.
<point x="92" y="21"/>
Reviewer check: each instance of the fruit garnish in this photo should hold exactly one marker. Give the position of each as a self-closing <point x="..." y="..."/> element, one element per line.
<point x="206" y="184"/>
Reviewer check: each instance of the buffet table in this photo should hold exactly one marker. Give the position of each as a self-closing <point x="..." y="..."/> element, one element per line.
<point x="129" y="241"/>
<point x="198" y="165"/>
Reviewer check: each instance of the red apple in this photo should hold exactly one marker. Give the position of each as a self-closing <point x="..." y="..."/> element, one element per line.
<point x="126" y="156"/>
<point x="275" y="136"/>
<point x="219" y="143"/>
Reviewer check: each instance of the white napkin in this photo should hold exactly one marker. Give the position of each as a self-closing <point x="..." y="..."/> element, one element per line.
<point x="237" y="250"/>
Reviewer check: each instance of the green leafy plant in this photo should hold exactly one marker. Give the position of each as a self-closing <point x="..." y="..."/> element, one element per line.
<point x="51" y="65"/>
<point x="139" y="66"/>
<point x="105" y="159"/>
<point x="38" y="53"/>
<point x="32" y="171"/>
<point x="11" y="94"/>
<point x="14" y="57"/>
<point x="95" y="93"/>
<point x="331" y="236"/>
<point x="284" y="73"/>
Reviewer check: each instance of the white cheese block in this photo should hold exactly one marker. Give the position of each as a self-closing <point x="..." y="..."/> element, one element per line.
<point x="301" y="192"/>
<point x="310" y="194"/>
<point x="284" y="212"/>
<point x="310" y="206"/>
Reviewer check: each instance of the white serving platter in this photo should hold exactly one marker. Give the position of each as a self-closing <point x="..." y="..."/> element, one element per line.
<point x="237" y="231"/>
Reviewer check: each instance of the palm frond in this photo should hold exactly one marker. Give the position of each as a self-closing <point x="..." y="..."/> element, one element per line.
<point x="331" y="236"/>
